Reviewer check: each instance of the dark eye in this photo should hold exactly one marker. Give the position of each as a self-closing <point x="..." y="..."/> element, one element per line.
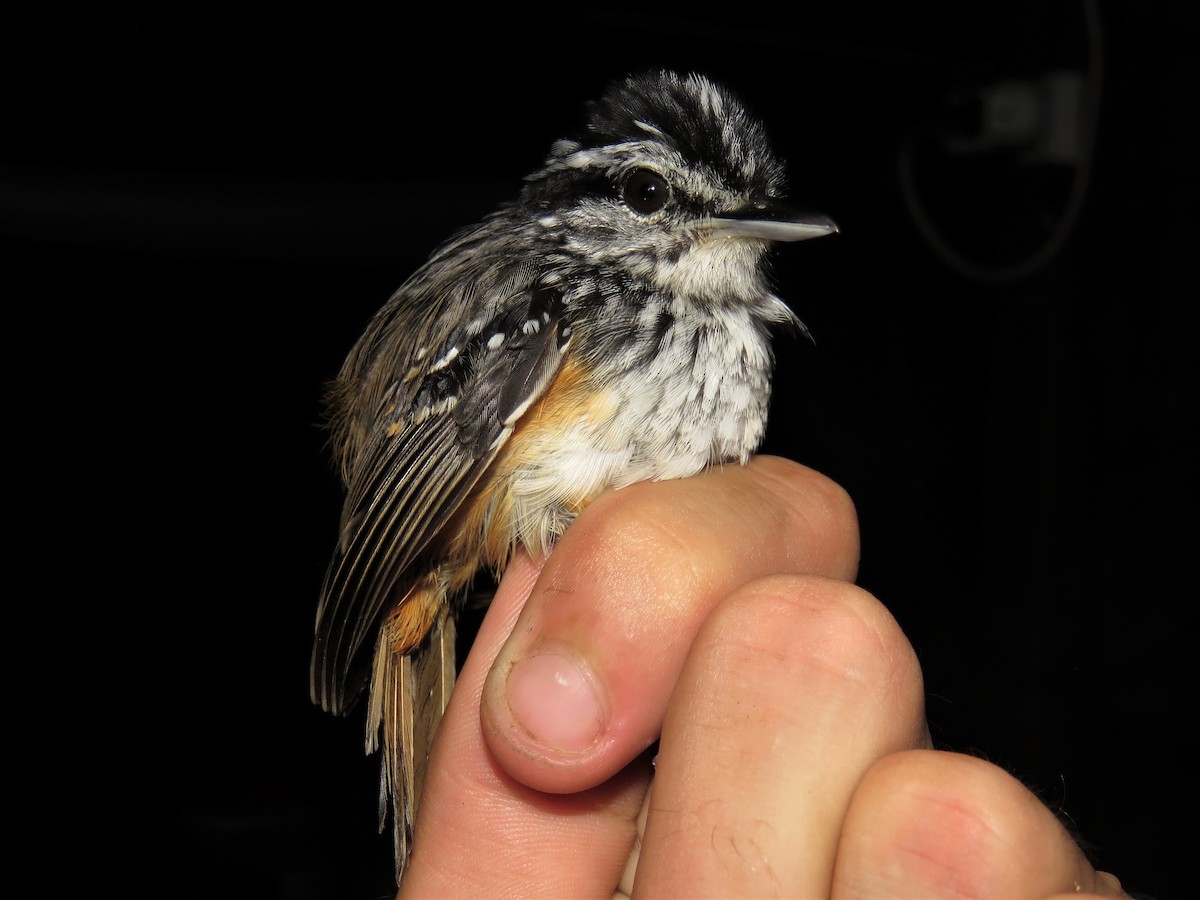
<point x="645" y="192"/>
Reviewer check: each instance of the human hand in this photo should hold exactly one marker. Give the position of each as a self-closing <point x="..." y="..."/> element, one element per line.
<point x="718" y="612"/>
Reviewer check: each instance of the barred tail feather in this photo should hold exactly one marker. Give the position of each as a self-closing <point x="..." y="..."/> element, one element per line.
<point x="409" y="693"/>
<point x="433" y="673"/>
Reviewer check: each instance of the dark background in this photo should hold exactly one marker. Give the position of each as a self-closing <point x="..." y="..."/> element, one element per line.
<point x="199" y="216"/>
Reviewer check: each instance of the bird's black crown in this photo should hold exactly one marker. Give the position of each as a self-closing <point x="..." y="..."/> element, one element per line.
<point x="701" y="120"/>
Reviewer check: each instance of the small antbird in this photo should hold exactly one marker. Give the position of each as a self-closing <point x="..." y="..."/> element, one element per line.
<point x="612" y="325"/>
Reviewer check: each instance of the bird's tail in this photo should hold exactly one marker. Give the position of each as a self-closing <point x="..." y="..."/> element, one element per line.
<point x="410" y="690"/>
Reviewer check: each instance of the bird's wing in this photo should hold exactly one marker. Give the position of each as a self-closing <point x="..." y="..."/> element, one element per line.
<point x="438" y="419"/>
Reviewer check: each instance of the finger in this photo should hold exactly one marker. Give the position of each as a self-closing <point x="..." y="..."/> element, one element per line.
<point x="933" y="824"/>
<point x="794" y="688"/>
<point x="581" y="687"/>
<point x="477" y="827"/>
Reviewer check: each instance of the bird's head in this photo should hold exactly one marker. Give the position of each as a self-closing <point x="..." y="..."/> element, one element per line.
<point x="674" y="182"/>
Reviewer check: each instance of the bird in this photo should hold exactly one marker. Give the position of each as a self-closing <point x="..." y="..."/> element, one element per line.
<point x="610" y="325"/>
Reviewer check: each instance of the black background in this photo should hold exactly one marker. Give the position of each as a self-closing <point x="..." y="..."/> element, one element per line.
<point x="198" y="217"/>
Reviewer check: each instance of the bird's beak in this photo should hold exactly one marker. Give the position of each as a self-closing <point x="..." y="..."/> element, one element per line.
<point x="772" y="221"/>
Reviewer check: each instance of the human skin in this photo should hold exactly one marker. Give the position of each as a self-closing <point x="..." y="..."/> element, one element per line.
<point x="718" y="613"/>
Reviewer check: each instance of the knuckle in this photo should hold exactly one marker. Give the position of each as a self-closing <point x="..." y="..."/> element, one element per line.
<point x="829" y="626"/>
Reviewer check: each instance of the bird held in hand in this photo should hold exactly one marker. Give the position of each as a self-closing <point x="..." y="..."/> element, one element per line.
<point x="611" y="325"/>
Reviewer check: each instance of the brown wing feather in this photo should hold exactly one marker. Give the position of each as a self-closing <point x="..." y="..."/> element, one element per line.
<point x="408" y="480"/>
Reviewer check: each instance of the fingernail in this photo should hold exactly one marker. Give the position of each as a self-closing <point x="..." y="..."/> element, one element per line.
<point x="554" y="697"/>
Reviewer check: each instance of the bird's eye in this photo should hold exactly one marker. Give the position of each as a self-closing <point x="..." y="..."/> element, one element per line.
<point x="645" y="192"/>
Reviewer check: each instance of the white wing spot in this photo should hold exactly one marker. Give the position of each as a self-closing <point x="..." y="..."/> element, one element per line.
<point x="450" y="356"/>
<point x="495" y="341"/>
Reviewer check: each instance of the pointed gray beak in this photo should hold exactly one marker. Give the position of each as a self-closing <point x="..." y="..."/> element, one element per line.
<point x="772" y="221"/>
